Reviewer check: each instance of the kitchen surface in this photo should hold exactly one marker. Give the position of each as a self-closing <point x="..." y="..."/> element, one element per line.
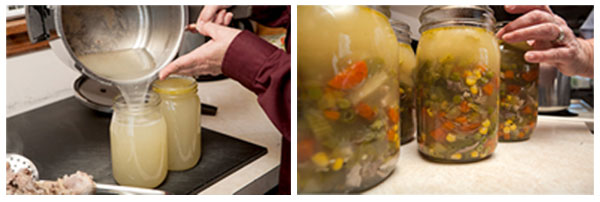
<point x="557" y="159"/>
<point x="238" y="116"/>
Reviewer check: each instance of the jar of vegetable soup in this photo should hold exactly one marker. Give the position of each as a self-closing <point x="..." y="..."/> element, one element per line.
<point x="406" y="64"/>
<point x="457" y="83"/>
<point x="348" y="98"/>
<point x="181" y="108"/>
<point x="518" y="92"/>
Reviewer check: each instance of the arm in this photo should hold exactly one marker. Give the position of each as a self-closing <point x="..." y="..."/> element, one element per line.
<point x="265" y="70"/>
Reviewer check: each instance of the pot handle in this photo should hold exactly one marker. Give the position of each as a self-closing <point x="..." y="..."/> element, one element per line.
<point x="39" y="22"/>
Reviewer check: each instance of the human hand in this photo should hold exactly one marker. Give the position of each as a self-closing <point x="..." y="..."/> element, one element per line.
<point x="207" y="58"/>
<point x="553" y="41"/>
<point x="214" y="14"/>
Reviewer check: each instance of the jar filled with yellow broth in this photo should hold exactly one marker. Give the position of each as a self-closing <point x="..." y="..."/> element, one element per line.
<point x="348" y="98"/>
<point x="181" y="108"/>
<point x="457" y="83"/>
<point x="138" y="142"/>
<point x="406" y="65"/>
<point x="518" y="92"/>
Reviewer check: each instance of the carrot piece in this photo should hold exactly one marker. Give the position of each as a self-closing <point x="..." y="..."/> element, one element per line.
<point x="470" y="127"/>
<point x="441" y="114"/>
<point x="438" y="134"/>
<point x="464" y="106"/>
<point x="449" y="125"/>
<point x="530" y="75"/>
<point x="527" y="110"/>
<point x="513" y="89"/>
<point x="331" y="114"/>
<point x="391" y="134"/>
<point x="393" y="114"/>
<point x="488" y="89"/>
<point x="365" y="111"/>
<point x="461" y="119"/>
<point x="350" y="77"/>
<point x="509" y="74"/>
<point x="482" y="68"/>
<point x="491" y="143"/>
<point x="306" y="149"/>
<point x="506" y="136"/>
<point x="521" y="135"/>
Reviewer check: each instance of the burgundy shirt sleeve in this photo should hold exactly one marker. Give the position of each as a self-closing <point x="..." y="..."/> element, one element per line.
<point x="265" y="70"/>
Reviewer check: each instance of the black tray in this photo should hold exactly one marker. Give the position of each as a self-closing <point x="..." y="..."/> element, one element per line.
<point x="65" y="136"/>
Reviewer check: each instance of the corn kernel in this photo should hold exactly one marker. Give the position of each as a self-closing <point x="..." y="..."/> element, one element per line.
<point x="474" y="90"/>
<point x="474" y="154"/>
<point x="506" y="130"/>
<point x="401" y="91"/>
<point x="483" y="130"/>
<point x="456" y="156"/>
<point x="337" y="165"/>
<point x="450" y="137"/>
<point x="513" y="127"/>
<point x="320" y="159"/>
<point x="429" y="112"/>
<point x="396" y="127"/>
<point x="468" y="73"/>
<point x="470" y="81"/>
<point x="508" y="122"/>
<point x="486" y="123"/>
<point x="477" y="73"/>
<point x="508" y="98"/>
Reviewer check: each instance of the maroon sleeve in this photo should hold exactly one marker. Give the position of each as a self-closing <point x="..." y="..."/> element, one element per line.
<point x="265" y="70"/>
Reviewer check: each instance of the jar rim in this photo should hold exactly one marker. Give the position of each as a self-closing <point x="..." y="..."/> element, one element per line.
<point x="402" y="30"/>
<point x="454" y="15"/>
<point x="186" y="84"/>
<point x="151" y="99"/>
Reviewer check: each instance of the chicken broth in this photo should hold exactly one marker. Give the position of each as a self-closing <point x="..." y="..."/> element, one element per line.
<point x="138" y="139"/>
<point x="181" y="108"/>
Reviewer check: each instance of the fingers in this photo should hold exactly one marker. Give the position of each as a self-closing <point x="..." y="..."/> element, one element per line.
<point x="207" y="14"/>
<point x="210" y="29"/>
<point x="529" y="19"/>
<point x="180" y="64"/>
<point x="524" y="9"/>
<point x="553" y="55"/>
<point x="228" y="17"/>
<point x="544" y="31"/>
<point x="220" y="18"/>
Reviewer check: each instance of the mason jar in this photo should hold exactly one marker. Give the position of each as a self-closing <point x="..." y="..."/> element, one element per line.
<point x="348" y="98"/>
<point x="138" y="142"/>
<point x="457" y="83"/>
<point x="406" y="65"/>
<point x="518" y="92"/>
<point x="181" y="108"/>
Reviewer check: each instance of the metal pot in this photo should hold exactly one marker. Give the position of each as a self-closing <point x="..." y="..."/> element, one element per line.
<point x="91" y="29"/>
<point x="554" y="89"/>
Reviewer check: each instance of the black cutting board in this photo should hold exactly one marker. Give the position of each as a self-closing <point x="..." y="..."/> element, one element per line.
<point x="63" y="137"/>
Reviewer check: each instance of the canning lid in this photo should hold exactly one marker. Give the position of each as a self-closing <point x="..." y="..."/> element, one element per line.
<point x="175" y="85"/>
<point x="442" y="16"/>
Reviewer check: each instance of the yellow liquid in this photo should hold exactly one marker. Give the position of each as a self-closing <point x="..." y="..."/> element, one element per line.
<point x="138" y="142"/>
<point x="182" y="112"/>
<point x="139" y="150"/>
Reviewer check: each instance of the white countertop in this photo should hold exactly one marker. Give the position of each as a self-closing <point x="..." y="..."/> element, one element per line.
<point x="557" y="159"/>
<point x="39" y="78"/>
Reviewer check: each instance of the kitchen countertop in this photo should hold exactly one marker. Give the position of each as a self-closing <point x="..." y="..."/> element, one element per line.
<point x="557" y="159"/>
<point x="35" y="83"/>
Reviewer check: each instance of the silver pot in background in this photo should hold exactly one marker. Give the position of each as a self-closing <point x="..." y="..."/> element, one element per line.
<point x="554" y="89"/>
<point x="83" y="30"/>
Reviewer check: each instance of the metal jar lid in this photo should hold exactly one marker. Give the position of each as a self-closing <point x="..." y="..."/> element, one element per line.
<point x="94" y="94"/>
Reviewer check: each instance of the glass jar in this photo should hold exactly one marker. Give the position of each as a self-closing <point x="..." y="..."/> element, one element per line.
<point x="138" y="143"/>
<point x="457" y="83"/>
<point x="406" y="65"/>
<point x="348" y="99"/>
<point x="181" y="108"/>
<point x="518" y="92"/>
